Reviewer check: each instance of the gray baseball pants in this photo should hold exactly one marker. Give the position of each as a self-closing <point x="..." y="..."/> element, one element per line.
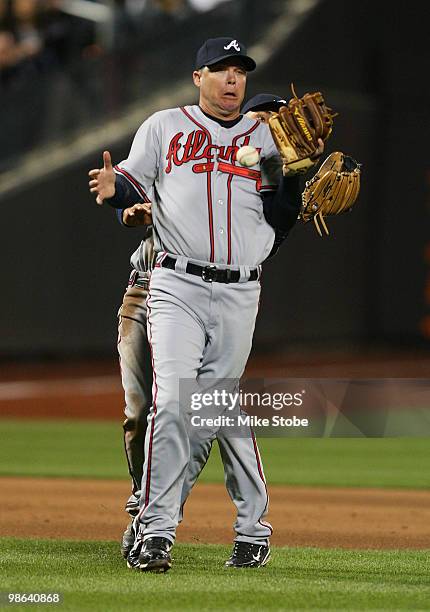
<point x="198" y="330"/>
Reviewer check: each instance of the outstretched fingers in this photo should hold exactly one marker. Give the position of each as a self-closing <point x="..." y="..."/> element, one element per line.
<point x="107" y="160"/>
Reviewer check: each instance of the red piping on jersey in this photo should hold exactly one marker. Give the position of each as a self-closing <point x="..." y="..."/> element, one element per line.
<point x="135" y="183"/>
<point x="162" y="258"/>
<point x="154" y="404"/>
<point x="208" y="185"/>
<point x="229" y="181"/>
<point x="260" y="471"/>
<point x="230" y="178"/>
<point x="257" y="456"/>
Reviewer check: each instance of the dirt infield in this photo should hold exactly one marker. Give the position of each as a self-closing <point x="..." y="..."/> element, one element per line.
<point x="320" y="517"/>
<point x="85" y="509"/>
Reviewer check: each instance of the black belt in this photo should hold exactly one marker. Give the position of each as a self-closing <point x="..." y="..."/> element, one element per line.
<point x="210" y="273"/>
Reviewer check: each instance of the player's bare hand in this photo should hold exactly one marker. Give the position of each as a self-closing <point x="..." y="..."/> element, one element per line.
<point x="139" y="214"/>
<point x="102" y="181"/>
<point x="319" y="151"/>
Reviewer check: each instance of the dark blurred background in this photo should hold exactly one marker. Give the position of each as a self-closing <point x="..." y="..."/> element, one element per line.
<point x="79" y="77"/>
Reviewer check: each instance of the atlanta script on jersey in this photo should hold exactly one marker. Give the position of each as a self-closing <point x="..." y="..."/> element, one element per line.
<point x="205" y="205"/>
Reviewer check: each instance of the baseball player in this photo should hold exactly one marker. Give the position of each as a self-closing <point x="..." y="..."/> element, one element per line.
<point x="133" y="346"/>
<point x="211" y="235"/>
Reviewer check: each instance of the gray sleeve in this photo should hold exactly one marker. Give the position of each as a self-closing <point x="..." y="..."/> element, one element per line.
<point x="142" y="164"/>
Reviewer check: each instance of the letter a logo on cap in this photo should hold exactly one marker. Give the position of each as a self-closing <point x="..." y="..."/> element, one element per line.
<point x="233" y="44"/>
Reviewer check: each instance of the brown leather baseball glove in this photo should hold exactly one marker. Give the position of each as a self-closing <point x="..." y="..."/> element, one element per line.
<point x="297" y="127"/>
<point x="333" y="190"/>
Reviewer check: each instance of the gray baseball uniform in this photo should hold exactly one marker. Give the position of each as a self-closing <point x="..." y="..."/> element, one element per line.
<point x="136" y="376"/>
<point x="207" y="210"/>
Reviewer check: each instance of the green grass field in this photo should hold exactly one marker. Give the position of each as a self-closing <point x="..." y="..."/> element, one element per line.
<point x="92" y="576"/>
<point x="94" y="449"/>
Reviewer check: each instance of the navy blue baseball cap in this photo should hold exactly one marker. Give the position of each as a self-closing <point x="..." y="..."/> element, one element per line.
<point x="216" y="49"/>
<point x="264" y="102"/>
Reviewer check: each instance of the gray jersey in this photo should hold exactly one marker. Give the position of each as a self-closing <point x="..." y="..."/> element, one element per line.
<point x="143" y="258"/>
<point x="205" y="205"/>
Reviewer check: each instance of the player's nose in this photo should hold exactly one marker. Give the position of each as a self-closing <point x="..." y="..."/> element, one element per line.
<point x="231" y="76"/>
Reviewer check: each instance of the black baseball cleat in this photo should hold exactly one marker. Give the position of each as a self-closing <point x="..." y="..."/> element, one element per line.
<point x="248" y="555"/>
<point x="128" y="538"/>
<point x="133" y="555"/>
<point x="155" y="555"/>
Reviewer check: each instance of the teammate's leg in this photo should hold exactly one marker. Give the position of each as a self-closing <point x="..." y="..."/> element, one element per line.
<point x="136" y="375"/>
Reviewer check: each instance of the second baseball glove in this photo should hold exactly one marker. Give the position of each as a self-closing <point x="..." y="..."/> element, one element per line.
<point x="333" y="190"/>
<point x="297" y="127"/>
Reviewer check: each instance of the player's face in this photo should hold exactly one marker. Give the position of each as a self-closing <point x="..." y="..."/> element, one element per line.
<point x="222" y="88"/>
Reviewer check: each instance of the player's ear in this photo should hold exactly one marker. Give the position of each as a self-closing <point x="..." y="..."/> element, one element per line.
<point x="197" y="77"/>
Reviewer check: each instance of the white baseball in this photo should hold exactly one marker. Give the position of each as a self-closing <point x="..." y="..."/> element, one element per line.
<point x="247" y="156"/>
